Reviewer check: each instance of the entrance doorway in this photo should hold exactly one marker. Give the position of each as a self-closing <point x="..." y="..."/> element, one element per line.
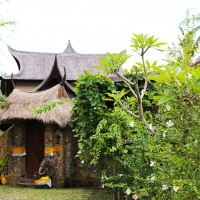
<point x="34" y="147"/>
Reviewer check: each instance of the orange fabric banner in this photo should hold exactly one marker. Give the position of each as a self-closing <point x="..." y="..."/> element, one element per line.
<point x="48" y="151"/>
<point x="57" y="148"/>
<point x="17" y="151"/>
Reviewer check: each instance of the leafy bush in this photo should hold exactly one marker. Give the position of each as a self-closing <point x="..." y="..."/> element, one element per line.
<point x="142" y="153"/>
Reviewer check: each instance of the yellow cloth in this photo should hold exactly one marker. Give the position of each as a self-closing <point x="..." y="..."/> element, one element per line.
<point x="51" y="150"/>
<point x="57" y="148"/>
<point x="45" y="180"/>
<point x="18" y="151"/>
<point x="48" y="151"/>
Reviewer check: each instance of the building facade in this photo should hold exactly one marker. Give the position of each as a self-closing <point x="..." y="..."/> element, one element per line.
<point x="43" y="79"/>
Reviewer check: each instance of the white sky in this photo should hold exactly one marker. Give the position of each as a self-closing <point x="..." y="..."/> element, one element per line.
<point x="93" y="26"/>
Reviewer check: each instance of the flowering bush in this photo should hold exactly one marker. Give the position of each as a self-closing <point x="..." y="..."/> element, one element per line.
<point x="146" y="145"/>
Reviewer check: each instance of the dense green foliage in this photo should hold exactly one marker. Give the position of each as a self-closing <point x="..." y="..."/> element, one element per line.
<point x="90" y="105"/>
<point x="145" y="144"/>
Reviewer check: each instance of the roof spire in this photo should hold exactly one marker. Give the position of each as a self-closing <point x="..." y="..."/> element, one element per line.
<point x="69" y="49"/>
<point x="63" y="78"/>
<point x="12" y="82"/>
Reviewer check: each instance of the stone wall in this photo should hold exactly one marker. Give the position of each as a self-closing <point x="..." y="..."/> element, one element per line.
<point x="68" y="171"/>
<point x="3" y="145"/>
<point x="16" y="164"/>
<point x="55" y="136"/>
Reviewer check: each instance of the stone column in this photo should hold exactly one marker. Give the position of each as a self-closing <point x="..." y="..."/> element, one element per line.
<point x="59" y="157"/>
<point x="16" y="164"/>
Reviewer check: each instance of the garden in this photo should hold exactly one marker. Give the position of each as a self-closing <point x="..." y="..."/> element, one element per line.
<point x="140" y="134"/>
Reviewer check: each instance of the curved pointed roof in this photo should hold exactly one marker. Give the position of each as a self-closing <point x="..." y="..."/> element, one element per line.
<point x="69" y="49"/>
<point x="55" y="73"/>
<point x="37" y="65"/>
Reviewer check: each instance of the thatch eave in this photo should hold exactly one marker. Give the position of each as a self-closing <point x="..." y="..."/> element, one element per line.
<point x="20" y="106"/>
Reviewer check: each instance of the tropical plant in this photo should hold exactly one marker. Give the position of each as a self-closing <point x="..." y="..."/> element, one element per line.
<point x="140" y="152"/>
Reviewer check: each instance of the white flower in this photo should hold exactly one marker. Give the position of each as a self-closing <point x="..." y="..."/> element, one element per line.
<point x="189" y="76"/>
<point x="135" y="197"/>
<point x="114" y="149"/>
<point x="169" y="124"/>
<point x="175" y="188"/>
<point x="82" y="161"/>
<point x="168" y="107"/>
<point x="128" y="191"/>
<point x="152" y="178"/>
<point x="125" y="151"/>
<point x="164" y="134"/>
<point x="151" y="163"/>
<point x="79" y="152"/>
<point x="164" y="187"/>
<point x="151" y="126"/>
<point x="132" y="124"/>
<point x="102" y="186"/>
<point x="120" y="175"/>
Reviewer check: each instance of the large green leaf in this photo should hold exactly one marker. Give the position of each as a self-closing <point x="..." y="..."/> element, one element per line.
<point x="3" y="160"/>
<point x="165" y="99"/>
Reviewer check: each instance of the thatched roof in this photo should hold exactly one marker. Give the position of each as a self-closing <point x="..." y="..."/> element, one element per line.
<point x="37" y="65"/>
<point x="20" y="104"/>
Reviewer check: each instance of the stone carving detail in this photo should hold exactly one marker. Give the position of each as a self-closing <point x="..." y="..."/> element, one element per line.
<point x="47" y="167"/>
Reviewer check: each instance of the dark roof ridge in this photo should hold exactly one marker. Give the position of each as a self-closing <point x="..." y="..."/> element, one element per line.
<point x="54" y="67"/>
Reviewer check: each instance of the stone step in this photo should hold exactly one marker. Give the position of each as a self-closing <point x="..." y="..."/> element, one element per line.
<point x="27" y="182"/>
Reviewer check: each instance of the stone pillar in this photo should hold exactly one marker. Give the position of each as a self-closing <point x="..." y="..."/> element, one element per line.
<point x="48" y="136"/>
<point x="59" y="157"/>
<point x="3" y="142"/>
<point x="16" y="164"/>
<point x="68" y="152"/>
<point x="57" y="137"/>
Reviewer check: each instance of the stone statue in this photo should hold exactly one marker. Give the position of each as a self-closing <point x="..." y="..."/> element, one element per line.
<point x="47" y="167"/>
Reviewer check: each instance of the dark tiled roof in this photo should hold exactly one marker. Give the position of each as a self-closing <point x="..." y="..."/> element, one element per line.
<point x="37" y="65"/>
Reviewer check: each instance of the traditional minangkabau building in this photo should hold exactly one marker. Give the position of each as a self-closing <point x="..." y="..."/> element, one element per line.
<point x="42" y="80"/>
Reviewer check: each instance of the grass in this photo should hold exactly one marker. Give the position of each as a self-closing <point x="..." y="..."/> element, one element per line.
<point x="30" y="193"/>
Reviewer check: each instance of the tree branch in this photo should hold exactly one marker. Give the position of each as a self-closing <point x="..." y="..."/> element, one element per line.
<point x="145" y="88"/>
<point x="128" y="111"/>
<point x="128" y="83"/>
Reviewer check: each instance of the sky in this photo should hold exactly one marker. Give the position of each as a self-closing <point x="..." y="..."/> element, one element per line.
<point x="92" y="26"/>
